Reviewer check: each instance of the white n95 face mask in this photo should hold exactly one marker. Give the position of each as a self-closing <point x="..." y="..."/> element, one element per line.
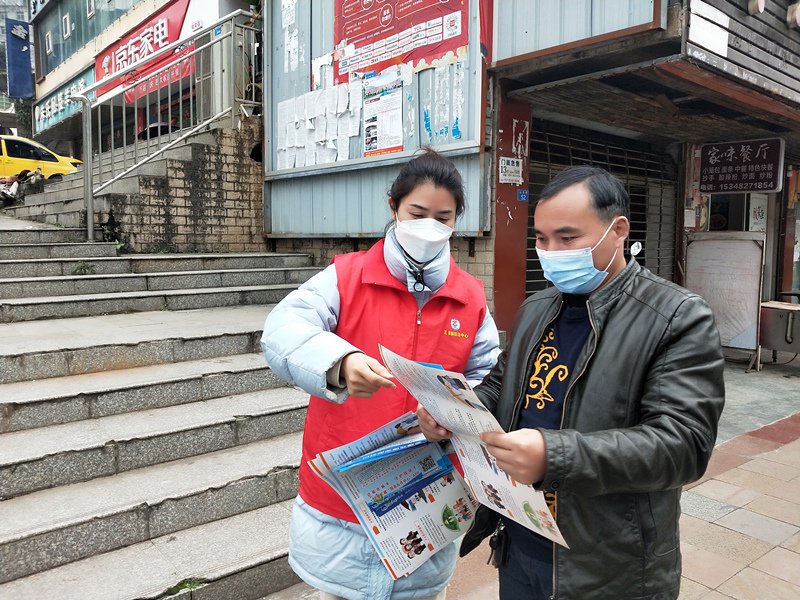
<point x="422" y="239"/>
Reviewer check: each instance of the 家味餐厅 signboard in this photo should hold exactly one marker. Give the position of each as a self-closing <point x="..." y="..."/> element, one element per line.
<point x="742" y="167"/>
<point x="370" y="35"/>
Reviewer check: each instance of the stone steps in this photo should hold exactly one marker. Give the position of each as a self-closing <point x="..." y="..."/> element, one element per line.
<point x="61" y="347"/>
<point x="147" y="263"/>
<point x="299" y="591"/>
<point x="70" y="187"/>
<point x="57" y="307"/>
<point x="67" y="399"/>
<point x="36" y="459"/>
<point x="139" y="419"/>
<point x="69" y="213"/>
<point x="31" y="287"/>
<point x="46" y="236"/>
<point x="241" y="557"/>
<point x="62" y="217"/>
<point x="58" y="250"/>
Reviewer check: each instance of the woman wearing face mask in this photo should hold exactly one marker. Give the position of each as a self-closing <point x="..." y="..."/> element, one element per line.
<point x="407" y="294"/>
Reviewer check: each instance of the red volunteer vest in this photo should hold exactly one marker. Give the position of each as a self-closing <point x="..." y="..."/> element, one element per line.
<point x="377" y="309"/>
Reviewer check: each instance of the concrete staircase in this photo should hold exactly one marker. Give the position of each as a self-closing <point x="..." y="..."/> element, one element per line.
<point x="61" y="202"/>
<point x="146" y="449"/>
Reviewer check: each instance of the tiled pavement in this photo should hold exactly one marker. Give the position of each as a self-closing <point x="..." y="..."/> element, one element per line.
<point x="740" y="528"/>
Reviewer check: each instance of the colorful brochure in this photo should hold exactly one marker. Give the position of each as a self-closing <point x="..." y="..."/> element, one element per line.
<point x="411" y="502"/>
<point x="404" y="490"/>
<point x="450" y="400"/>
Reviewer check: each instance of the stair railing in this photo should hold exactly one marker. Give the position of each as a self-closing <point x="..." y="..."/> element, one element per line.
<point x="165" y="98"/>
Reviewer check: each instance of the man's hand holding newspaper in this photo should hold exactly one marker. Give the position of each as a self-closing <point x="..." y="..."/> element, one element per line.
<point x="492" y="459"/>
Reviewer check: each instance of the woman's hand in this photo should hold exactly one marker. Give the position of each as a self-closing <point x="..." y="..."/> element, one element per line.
<point x="363" y="375"/>
<point x="432" y="431"/>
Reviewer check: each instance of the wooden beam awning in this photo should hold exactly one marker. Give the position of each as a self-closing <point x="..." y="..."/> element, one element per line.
<point x="668" y="99"/>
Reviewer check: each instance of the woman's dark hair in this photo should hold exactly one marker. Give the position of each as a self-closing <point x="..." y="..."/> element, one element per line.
<point x="609" y="197"/>
<point x="428" y="167"/>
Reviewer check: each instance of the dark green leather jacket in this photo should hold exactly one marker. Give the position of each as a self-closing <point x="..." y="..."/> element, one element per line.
<point x="640" y="421"/>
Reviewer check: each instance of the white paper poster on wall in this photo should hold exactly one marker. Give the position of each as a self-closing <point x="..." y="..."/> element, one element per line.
<point x="383" y="117"/>
<point x="726" y="270"/>
<point x="757" y="216"/>
<point x="510" y="170"/>
<point x="288" y="13"/>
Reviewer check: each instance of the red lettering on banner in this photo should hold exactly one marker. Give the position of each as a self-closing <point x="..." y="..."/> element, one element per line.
<point x="405" y="31"/>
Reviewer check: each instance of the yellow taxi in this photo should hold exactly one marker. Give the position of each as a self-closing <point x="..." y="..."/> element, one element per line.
<point x="19" y="154"/>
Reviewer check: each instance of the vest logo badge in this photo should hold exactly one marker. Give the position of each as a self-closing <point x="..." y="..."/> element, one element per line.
<point x="455" y="325"/>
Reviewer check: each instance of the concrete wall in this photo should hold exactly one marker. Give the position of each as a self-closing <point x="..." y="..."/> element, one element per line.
<point x="210" y="203"/>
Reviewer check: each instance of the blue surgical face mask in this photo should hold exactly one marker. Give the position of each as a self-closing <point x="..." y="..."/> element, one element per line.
<point x="573" y="271"/>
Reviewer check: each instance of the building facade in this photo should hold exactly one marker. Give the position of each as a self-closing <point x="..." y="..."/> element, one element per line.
<point x="81" y="42"/>
<point x="638" y="87"/>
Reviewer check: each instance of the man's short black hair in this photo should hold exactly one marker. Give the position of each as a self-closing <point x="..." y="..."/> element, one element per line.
<point x="609" y="197"/>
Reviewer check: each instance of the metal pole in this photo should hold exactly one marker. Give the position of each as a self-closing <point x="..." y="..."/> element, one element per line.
<point x="88" y="197"/>
<point x="231" y="76"/>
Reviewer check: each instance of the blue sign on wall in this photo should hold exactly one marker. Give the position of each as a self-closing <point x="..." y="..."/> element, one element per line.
<point x="56" y="107"/>
<point x="18" y="59"/>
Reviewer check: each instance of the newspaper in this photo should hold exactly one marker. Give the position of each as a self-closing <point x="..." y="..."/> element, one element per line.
<point x="449" y="399"/>
<point x="404" y="491"/>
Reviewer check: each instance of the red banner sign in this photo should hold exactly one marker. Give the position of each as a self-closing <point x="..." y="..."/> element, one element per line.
<point x="371" y="35"/>
<point x="154" y="34"/>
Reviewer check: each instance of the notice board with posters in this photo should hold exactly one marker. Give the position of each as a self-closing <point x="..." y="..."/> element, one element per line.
<point x="357" y="88"/>
<point x="726" y="268"/>
<point x="378" y="34"/>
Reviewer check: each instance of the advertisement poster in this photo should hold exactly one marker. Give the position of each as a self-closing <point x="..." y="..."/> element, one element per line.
<point x="383" y="117"/>
<point x="154" y="34"/>
<point x="510" y="170"/>
<point x="371" y="35"/>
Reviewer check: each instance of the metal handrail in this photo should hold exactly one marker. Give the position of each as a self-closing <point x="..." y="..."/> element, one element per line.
<point x="163" y="149"/>
<point x="210" y="83"/>
<point x="178" y="59"/>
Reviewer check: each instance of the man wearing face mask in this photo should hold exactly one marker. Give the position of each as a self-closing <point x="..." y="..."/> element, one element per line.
<point x="611" y="389"/>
